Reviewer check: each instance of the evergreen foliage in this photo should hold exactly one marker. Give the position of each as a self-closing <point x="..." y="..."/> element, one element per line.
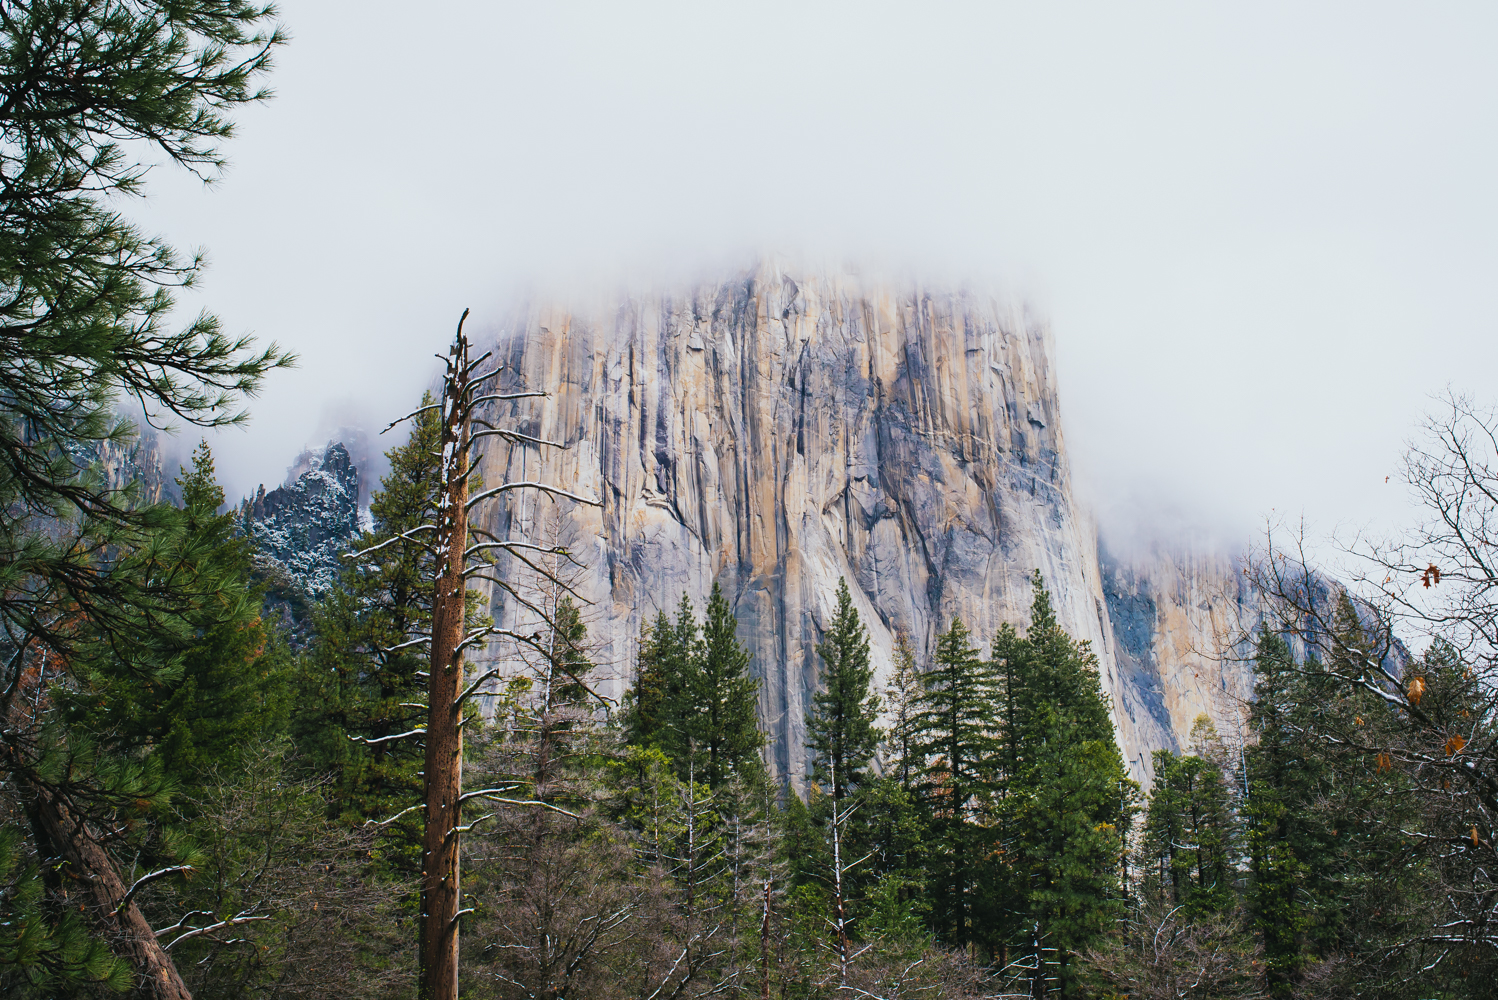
<point x="1191" y="840"/>
<point x="197" y="707"/>
<point x="840" y="728"/>
<point x="359" y="687"/>
<point x="1069" y="803"/>
<point x="901" y="698"/>
<point x="95" y="585"/>
<point x="954" y="734"/>
<point x="725" y="723"/>
<point x="1324" y="816"/>
<point x="643" y="718"/>
<point x="88" y="295"/>
<point x="693" y="697"/>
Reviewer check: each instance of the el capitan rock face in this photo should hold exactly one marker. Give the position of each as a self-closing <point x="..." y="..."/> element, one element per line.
<point x="782" y="429"/>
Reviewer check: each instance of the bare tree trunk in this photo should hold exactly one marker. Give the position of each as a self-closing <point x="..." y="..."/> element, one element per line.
<point x="440" y="891"/>
<point x="130" y="936"/>
<point x="764" y="947"/>
<point x="837" y="882"/>
<point x="441" y="896"/>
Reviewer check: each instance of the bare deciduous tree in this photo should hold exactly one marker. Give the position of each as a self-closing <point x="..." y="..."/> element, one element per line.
<point x="1436" y="583"/>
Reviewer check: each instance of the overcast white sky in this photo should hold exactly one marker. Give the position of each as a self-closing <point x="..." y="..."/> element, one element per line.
<point x="1264" y="233"/>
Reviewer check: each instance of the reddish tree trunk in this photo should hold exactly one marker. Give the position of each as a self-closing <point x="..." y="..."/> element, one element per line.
<point x="440" y="892"/>
<point x="130" y="937"/>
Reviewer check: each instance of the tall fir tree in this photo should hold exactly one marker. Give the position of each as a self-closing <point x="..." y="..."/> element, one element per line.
<point x="841" y="730"/>
<point x="841" y="738"/>
<point x="955" y="736"/>
<point x="1069" y="802"/>
<point x="901" y="699"/>
<point x="197" y="709"/>
<point x="693" y="698"/>
<point x="156" y="697"/>
<point x="643" y="718"/>
<point x="724" y="700"/>
<point x="1326" y="811"/>
<point x="1191" y="846"/>
<point x="362" y="677"/>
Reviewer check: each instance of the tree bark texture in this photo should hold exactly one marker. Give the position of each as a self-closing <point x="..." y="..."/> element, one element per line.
<point x="440" y="892"/>
<point x="90" y="866"/>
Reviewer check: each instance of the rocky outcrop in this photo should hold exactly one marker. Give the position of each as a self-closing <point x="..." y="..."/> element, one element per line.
<point x="1180" y="619"/>
<point x="136" y="462"/>
<point x="780" y="430"/>
<point x="302" y="528"/>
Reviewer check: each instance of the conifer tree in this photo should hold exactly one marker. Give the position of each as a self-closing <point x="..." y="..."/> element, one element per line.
<point x="152" y="696"/>
<point x="1279" y="773"/>
<point x="901" y="697"/>
<point x="662" y="708"/>
<point x="724" y="700"/>
<point x="362" y="677"/>
<point x="692" y="696"/>
<point x="643" y="719"/>
<point x="840" y="728"/>
<point x="1069" y="802"/>
<point x="85" y="321"/>
<point x="1191" y="840"/>
<point x="1325" y="807"/>
<point x="202" y="704"/>
<point x="954" y="727"/>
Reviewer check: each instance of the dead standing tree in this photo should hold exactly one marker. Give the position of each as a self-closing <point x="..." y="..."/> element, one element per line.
<point x="458" y="554"/>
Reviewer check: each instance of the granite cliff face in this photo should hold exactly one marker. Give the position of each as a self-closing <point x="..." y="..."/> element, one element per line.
<point x="1180" y="618"/>
<point x="138" y="462"/>
<point x="779" y="430"/>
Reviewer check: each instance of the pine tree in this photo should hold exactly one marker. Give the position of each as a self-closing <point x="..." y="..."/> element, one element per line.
<point x="664" y="703"/>
<point x="362" y="676"/>
<point x="840" y="728"/>
<point x="1069" y="802"/>
<point x="902" y="696"/>
<point x="842" y="738"/>
<point x="954" y="727"/>
<point x="1326" y="810"/>
<point x="1279" y="774"/>
<point x="198" y="708"/>
<point x="84" y="322"/>
<point x="153" y="696"/>
<point x="1191" y="839"/>
<point x="724" y="701"/>
<point x="643" y="719"/>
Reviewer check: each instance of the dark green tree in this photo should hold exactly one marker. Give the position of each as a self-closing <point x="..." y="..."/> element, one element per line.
<point x="197" y="709"/>
<point x="1282" y="775"/>
<point x="901" y="698"/>
<point x="723" y="700"/>
<point x="693" y="698"/>
<point x="840" y="728"/>
<point x="84" y="321"/>
<point x="1191" y="841"/>
<point x="361" y="685"/>
<point x="663" y="703"/>
<point x="643" y="719"/>
<point x="955" y="736"/>
<point x="1330" y="865"/>
<point x="1069" y="802"/>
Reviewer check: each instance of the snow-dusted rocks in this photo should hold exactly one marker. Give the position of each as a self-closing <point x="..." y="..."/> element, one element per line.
<point x="304" y="527"/>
